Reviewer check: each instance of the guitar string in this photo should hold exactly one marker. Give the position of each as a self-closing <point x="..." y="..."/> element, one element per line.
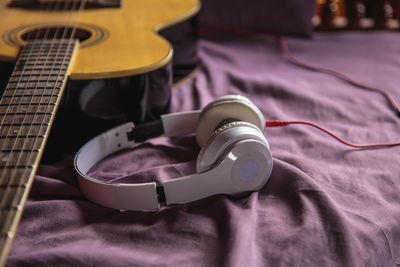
<point x="66" y="59"/>
<point x="12" y="178"/>
<point x="17" y="108"/>
<point x="18" y="82"/>
<point x="64" y="34"/>
<point x="52" y="44"/>
<point x="46" y="108"/>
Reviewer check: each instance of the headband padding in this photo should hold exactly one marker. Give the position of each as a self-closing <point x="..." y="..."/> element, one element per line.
<point x="227" y="107"/>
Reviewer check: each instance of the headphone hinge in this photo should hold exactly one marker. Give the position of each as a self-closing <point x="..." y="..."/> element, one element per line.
<point x="160" y="194"/>
<point x="145" y="131"/>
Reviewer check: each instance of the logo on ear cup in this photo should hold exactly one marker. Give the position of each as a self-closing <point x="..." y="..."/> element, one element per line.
<point x="248" y="171"/>
<point x="252" y="166"/>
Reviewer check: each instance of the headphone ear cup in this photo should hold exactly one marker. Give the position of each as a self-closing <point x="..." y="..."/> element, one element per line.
<point x="231" y="108"/>
<point x="223" y="139"/>
<point x="245" y="166"/>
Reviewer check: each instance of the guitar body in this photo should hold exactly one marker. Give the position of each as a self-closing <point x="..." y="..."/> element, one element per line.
<point x="117" y="66"/>
<point x="122" y="72"/>
<point x="123" y="41"/>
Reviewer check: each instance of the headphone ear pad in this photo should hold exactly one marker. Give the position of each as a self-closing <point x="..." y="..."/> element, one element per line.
<point x="223" y="139"/>
<point x="231" y="107"/>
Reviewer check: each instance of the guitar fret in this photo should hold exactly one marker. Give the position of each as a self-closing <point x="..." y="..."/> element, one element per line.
<point x="9" y="208"/>
<point x="39" y="62"/>
<point x="14" y="88"/>
<point x="37" y="75"/>
<point x="18" y="136"/>
<point x="25" y="124"/>
<point x="60" y="67"/>
<point x="53" y="56"/>
<point x="53" y="64"/>
<point x="5" y="235"/>
<point x="10" y="91"/>
<point x="18" y="130"/>
<point x="37" y="50"/>
<point x="52" y="53"/>
<point x="33" y="85"/>
<point x="42" y="61"/>
<point x="43" y="68"/>
<point x="39" y="54"/>
<point x="15" y="177"/>
<point x="34" y="78"/>
<point x="14" y="130"/>
<point x="3" y="166"/>
<point x="28" y="119"/>
<point x="15" y="189"/>
<point x="63" y="58"/>
<point x="10" y="214"/>
<point x="46" y="63"/>
<point x="23" y="143"/>
<point x="13" y="185"/>
<point x="20" y="150"/>
<point x="26" y="95"/>
<point x="46" y="47"/>
<point x="19" y="87"/>
<point x="25" y="113"/>
<point x="24" y="104"/>
<point x="43" y="43"/>
<point x="33" y="50"/>
<point x="16" y="158"/>
<point x="30" y="109"/>
<point x="60" y="58"/>
<point x="29" y="100"/>
<point x="40" y="72"/>
<point x="21" y="91"/>
<point x="13" y="193"/>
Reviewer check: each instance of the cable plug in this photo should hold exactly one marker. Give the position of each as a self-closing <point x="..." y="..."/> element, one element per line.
<point x="276" y="123"/>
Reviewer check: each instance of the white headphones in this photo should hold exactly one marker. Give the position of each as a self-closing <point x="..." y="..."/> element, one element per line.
<point x="234" y="156"/>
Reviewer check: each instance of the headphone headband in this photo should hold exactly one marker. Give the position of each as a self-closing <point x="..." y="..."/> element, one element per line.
<point x="238" y="160"/>
<point x="142" y="196"/>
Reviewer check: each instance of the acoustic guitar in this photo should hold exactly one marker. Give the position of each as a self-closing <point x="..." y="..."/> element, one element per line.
<point x="55" y="42"/>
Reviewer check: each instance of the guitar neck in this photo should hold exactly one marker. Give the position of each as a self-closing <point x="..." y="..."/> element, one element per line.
<point x="27" y="110"/>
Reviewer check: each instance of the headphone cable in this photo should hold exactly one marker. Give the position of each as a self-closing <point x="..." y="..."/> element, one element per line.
<point x="341" y="76"/>
<point x="286" y="52"/>
<point x="279" y="123"/>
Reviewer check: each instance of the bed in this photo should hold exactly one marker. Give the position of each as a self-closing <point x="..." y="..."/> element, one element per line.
<point x="326" y="204"/>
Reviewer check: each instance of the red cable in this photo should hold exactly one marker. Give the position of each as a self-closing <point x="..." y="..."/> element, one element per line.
<point x="278" y="123"/>
<point x="293" y="60"/>
<point x="336" y="74"/>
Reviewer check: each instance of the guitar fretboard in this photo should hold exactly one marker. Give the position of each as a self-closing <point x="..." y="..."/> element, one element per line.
<point x="27" y="109"/>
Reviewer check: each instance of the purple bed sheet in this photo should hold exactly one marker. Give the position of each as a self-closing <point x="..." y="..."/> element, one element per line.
<point x="325" y="205"/>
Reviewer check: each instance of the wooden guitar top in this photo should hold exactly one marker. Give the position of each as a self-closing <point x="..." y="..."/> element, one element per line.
<point x="123" y="41"/>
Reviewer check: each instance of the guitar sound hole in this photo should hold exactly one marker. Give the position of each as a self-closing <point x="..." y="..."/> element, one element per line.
<point x="56" y="33"/>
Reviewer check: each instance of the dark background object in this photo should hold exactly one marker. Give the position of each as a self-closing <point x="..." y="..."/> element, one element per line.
<point x="281" y="17"/>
